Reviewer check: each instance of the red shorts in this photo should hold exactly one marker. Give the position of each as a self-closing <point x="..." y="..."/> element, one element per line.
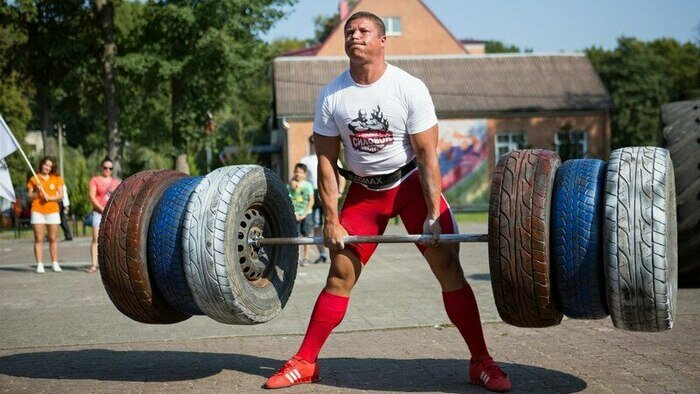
<point x="367" y="212"/>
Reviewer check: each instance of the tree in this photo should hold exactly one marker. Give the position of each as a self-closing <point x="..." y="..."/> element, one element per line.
<point x="14" y="92"/>
<point x="199" y="54"/>
<point x="53" y="49"/>
<point x="14" y="108"/>
<point x="641" y="77"/>
<point x="177" y="60"/>
<point x="105" y="12"/>
<point x="324" y="24"/>
<point x="494" y="46"/>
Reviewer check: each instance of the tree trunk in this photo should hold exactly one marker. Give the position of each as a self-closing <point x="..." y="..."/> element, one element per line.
<point x="105" y="11"/>
<point x="179" y="141"/>
<point x="46" y="122"/>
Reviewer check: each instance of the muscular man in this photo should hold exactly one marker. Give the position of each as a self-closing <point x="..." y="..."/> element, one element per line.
<point x="389" y="166"/>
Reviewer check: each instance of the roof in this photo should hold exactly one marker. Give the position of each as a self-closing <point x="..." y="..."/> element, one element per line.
<point x="308" y="51"/>
<point x="472" y="41"/>
<point x="460" y="85"/>
<point x="422" y="31"/>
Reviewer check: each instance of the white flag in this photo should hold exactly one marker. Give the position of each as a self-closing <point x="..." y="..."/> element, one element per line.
<point x="7" y="140"/>
<point x="6" y="189"/>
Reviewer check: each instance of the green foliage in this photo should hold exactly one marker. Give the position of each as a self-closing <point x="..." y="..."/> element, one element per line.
<point x="14" y="108"/>
<point x="141" y="158"/>
<point x="191" y="58"/>
<point x="54" y="53"/>
<point x="494" y="46"/>
<point x="323" y="27"/>
<point x="282" y="45"/>
<point x="641" y="76"/>
<point x="324" y="24"/>
<point x="176" y="60"/>
<point x="76" y="175"/>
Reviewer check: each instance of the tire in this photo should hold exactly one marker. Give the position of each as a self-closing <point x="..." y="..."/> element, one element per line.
<point x="679" y="111"/>
<point x="165" y="246"/>
<point x="680" y="134"/>
<point x="519" y="257"/>
<point x="640" y="245"/>
<point x="577" y="239"/>
<point x="229" y="281"/>
<point x="122" y="248"/>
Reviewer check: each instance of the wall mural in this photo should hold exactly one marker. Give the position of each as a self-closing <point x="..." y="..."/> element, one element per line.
<point x="463" y="156"/>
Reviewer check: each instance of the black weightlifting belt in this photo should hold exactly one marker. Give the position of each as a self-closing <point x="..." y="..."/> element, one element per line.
<point x="379" y="181"/>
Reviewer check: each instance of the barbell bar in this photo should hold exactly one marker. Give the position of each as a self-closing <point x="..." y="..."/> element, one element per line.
<point x="378" y="239"/>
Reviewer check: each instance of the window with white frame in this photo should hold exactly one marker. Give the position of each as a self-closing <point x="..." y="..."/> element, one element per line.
<point x="507" y="141"/>
<point x="393" y="25"/>
<point x="571" y="144"/>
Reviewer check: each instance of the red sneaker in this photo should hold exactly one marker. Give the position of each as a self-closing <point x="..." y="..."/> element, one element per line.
<point x="488" y="374"/>
<point x="293" y="372"/>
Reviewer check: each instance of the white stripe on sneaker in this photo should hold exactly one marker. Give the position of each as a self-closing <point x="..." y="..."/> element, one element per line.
<point x="293" y="376"/>
<point x="484" y="377"/>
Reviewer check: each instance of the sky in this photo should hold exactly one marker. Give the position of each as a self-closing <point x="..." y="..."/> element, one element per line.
<point x="541" y="25"/>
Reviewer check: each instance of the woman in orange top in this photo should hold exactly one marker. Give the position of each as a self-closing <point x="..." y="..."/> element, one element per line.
<point x="45" y="191"/>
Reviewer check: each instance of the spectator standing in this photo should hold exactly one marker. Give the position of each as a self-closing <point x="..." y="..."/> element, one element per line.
<point x="64" y="207"/>
<point x="101" y="188"/>
<point x="302" y="194"/>
<point x="45" y="190"/>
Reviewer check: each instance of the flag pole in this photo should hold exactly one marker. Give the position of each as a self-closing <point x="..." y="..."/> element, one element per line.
<point x="19" y="147"/>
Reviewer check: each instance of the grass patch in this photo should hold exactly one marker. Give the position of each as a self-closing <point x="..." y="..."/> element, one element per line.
<point x="475" y="217"/>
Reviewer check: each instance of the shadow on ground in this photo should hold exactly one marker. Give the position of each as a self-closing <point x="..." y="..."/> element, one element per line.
<point x="32" y="269"/>
<point x="376" y="374"/>
<point x="486" y="277"/>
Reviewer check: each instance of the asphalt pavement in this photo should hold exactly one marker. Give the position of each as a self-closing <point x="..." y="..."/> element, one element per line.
<point x="59" y="332"/>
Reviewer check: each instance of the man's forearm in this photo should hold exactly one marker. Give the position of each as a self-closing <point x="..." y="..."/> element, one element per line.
<point x="328" y="191"/>
<point x="327" y="149"/>
<point x="430" y="181"/>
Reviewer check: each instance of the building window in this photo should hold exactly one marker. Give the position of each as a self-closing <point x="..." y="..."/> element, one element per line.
<point x="507" y="141"/>
<point x="393" y="25"/>
<point x="571" y="144"/>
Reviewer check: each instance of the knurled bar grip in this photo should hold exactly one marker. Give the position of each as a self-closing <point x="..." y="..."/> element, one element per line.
<point x="374" y="239"/>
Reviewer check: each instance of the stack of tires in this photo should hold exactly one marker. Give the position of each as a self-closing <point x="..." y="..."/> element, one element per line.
<point x="173" y="246"/>
<point x="585" y="239"/>
<point x="680" y="134"/>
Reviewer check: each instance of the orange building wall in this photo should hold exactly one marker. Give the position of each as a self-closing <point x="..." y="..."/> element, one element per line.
<point x="422" y="33"/>
<point x="298" y="143"/>
<point x="540" y="132"/>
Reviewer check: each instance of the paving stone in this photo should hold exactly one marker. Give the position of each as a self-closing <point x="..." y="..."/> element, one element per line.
<point x="60" y="333"/>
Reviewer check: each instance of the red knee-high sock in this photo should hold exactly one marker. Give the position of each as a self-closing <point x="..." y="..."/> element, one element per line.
<point x="328" y="313"/>
<point x="463" y="312"/>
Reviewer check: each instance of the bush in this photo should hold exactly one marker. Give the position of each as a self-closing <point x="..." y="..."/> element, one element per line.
<point x="76" y="176"/>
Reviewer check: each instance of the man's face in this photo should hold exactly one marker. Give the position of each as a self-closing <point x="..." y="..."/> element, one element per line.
<point x="362" y="40"/>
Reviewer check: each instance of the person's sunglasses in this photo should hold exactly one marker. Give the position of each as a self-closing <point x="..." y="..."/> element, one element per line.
<point x="107" y="168"/>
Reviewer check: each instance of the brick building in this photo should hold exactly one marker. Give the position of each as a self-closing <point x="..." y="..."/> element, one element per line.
<point x="486" y="104"/>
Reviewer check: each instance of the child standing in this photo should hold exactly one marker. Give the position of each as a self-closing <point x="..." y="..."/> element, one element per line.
<point x="302" y="194"/>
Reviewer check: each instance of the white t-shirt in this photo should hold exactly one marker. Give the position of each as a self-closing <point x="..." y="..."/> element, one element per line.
<point x="374" y="121"/>
<point x="311" y="163"/>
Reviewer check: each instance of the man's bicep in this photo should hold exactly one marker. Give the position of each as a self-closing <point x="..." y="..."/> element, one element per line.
<point x="424" y="141"/>
<point x="327" y="148"/>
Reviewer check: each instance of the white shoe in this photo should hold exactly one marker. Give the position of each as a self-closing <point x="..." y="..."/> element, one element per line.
<point x="40" y="268"/>
<point x="56" y="267"/>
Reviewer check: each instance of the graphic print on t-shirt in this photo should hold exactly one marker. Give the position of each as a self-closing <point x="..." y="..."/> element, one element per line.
<point x="370" y="134"/>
